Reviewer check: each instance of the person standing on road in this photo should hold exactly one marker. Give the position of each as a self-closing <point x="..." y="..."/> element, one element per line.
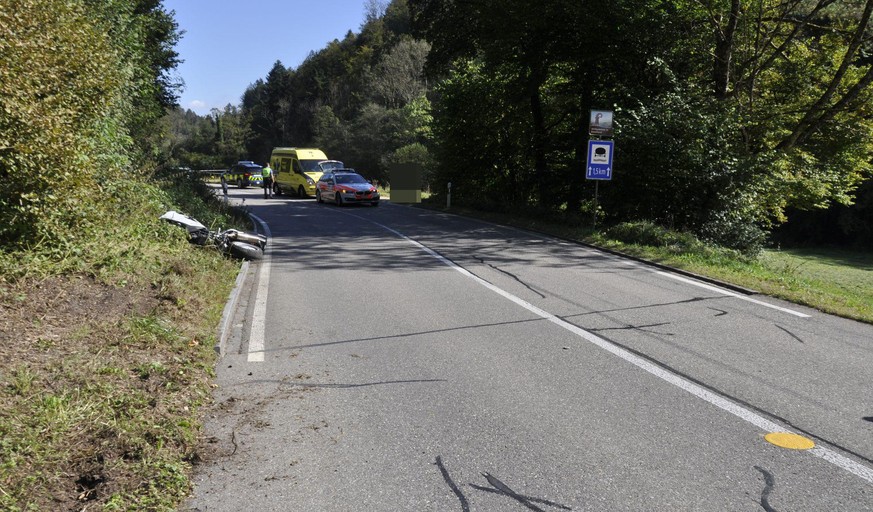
<point x="267" y="174"/>
<point x="224" y="185"/>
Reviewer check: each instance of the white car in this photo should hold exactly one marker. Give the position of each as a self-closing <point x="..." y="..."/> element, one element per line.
<point x="345" y="186"/>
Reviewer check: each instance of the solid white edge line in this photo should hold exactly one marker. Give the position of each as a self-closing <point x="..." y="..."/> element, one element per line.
<point x="259" y="315"/>
<point x="843" y="462"/>
<point x="719" y="401"/>
<point x="731" y="294"/>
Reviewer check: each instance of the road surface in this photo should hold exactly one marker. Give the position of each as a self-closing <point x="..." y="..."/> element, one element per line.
<point x="398" y="359"/>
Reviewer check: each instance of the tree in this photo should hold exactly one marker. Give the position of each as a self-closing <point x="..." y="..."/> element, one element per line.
<point x="77" y="80"/>
<point x="398" y="78"/>
<point x="777" y="92"/>
<point x="797" y="75"/>
<point x="144" y="36"/>
<point x="551" y="68"/>
<point x="477" y="130"/>
<point x="232" y="135"/>
<point x="331" y="134"/>
<point x="82" y="85"/>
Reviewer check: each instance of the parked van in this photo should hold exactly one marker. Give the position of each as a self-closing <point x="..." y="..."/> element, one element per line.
<point x="296" y="170"/>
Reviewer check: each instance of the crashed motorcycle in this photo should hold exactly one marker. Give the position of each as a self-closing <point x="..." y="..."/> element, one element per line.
<point x="232" y="242"/>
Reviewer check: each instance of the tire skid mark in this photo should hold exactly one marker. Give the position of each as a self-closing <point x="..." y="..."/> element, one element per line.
<point x="644" y="328"/>
<point x="510" y="274"/>
<point x="769" y="485"/>
<point x="365" y="384"/>
<point x="499" y="487"/>
<point x="721" y="312"/>
<point x="465" y="505"/>
<point x="789" y="333"/>
<point x="644" y="306"/>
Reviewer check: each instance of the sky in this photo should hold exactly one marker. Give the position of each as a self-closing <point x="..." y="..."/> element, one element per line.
<point x="229" y="44"/>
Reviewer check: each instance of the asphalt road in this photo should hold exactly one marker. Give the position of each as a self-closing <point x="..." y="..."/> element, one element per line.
<point x="397" y="359"/>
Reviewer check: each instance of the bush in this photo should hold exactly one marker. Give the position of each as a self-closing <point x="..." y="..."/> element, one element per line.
<point x="651" y="234"/>
<point x="730" y="230"/>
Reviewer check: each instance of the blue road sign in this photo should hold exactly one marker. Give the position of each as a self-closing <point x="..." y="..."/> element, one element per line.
<point x="599" y="160"/>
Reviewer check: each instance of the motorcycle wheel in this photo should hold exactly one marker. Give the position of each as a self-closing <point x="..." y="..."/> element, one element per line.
<point x="246" y="251"/>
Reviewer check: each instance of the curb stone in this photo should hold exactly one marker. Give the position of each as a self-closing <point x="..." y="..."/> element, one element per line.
<point x="224" y="327"/>
<point x="229" y="308"/>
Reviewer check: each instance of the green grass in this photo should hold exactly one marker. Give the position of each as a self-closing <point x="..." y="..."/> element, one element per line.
<point x="833" y="280"/>
<point x="100" y="394"/>
<point x="836" y="282"/>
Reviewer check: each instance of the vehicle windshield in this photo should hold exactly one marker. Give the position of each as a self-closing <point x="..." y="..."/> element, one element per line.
<point x="330" y="165"/>
<point x="310" y="165"/>
<point x="350" y="178"/>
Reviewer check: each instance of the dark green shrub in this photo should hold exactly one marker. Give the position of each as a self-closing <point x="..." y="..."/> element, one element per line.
<point x="651" y="234"/>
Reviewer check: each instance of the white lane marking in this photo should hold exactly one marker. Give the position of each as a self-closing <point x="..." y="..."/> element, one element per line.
<point x="259" y="315"/>
<point x="721" y="402"/>
<point x="731" y="294"/>
<point x="843" y="462"/>
<point x="631" y="263"/>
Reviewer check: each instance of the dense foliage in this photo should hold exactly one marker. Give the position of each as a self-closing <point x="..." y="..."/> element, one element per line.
<point x="729" y="114"/>
<point x="81" y="84"/>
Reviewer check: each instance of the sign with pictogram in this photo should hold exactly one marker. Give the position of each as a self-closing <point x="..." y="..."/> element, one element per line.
<point x="599" y="165"/>
<point x="600" y="124"/>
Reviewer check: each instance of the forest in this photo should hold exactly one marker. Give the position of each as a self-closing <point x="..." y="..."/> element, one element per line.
<point x="732" y="117"/>
<point x="741" y="122"/>
<point x="83" y="87"/>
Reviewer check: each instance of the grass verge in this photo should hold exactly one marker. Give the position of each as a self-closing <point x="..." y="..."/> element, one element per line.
<point x="106" y="355"/>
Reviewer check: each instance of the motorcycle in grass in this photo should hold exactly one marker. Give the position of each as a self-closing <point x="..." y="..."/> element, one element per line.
<point x="232" y="242"/>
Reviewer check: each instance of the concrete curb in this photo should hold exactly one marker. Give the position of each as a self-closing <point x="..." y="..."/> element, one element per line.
<point x="224" y="326"/>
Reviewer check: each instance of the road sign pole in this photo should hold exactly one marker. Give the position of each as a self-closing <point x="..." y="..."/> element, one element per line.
<point x="600" y="152"/>
<point x="596" y="190"/>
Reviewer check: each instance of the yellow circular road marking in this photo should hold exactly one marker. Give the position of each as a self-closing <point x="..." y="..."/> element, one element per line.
<point x="790" y="441"/>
